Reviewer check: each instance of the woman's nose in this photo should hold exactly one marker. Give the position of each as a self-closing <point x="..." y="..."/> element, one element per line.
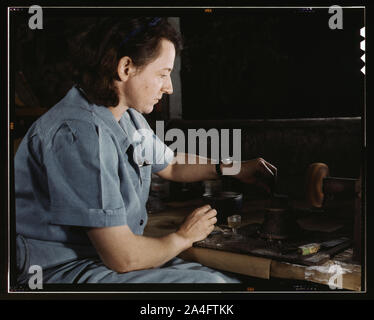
<point x="168" y="87"/>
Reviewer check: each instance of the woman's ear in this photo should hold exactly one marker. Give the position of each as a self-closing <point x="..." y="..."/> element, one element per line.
<point x="125" y="68"/>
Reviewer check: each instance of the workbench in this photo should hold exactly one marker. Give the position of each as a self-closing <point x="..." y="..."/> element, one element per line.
<point x="341" y="265"/>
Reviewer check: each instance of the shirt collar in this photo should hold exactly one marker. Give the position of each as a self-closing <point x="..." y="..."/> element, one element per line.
<point x="104" y="114"/>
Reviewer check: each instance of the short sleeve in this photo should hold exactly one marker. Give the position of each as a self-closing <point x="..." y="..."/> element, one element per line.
<point x="83" y="181"/>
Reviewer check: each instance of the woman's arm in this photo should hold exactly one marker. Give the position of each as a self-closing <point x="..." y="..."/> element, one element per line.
<point x="182" y="169"/>
<point x="189" y="168"/>
<point x="123" y="251"/>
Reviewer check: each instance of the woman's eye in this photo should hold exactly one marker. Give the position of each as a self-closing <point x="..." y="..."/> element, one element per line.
<point x="163" y="75"/>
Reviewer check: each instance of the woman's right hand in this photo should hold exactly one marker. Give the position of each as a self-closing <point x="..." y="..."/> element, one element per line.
<point x="198" y="224"/>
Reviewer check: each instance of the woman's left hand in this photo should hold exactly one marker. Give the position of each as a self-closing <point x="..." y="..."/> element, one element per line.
<point x="258" y="172"/>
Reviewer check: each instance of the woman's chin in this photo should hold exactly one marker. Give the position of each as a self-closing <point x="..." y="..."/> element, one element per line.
<point x="145" y="109"/>
<point x="148" y="109"/>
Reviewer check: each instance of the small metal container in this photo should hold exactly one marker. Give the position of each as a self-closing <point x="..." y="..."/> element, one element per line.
<point x="227" y="203"/>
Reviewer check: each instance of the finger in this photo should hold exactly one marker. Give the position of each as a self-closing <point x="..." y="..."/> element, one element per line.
<point x="266" y="170"/>
<point x="271" y="180"/>
<point x="272" y="168"/>
<point x="213" y="220"/>
<point x="210" y="214"/>
<point x="204" y="209"/>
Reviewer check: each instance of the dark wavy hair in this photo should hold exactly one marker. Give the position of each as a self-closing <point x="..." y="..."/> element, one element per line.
<point x="96" y="52"/>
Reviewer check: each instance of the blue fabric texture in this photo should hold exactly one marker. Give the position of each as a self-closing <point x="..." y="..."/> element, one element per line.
<point x="77" y="168"/>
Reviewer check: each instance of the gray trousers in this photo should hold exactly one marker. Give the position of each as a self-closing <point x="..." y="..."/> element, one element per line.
<point x="174" y="271"/>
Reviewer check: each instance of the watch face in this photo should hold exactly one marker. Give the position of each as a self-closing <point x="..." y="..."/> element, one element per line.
<point x="226" y="161"/>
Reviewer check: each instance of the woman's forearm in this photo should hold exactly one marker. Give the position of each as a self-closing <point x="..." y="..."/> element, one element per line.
<point x="191" y="168"/>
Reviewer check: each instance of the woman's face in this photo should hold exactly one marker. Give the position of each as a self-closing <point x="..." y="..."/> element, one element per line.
<point x="145" y="87"/>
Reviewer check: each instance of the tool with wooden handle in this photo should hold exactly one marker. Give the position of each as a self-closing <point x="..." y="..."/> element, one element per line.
<point x="314" y="183"/>
<point x="321" y="187"/>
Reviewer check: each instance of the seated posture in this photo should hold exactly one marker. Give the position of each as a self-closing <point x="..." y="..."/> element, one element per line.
<point x="81" y="187"/>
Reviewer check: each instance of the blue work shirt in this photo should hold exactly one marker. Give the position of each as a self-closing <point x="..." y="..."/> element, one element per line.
<point x="77" y="168"/>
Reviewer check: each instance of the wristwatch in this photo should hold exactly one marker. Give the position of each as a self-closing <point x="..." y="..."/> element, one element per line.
<point x="225" y="162"/>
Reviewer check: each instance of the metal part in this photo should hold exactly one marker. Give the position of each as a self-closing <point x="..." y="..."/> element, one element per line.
<point x="279" y="221"/>
<point x="339" y="188"/>
<point x="274" y="225"/>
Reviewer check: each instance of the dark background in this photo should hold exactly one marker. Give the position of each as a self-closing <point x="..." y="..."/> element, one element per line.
<point x="236" y="64"/>
<point x="272" y="63"/>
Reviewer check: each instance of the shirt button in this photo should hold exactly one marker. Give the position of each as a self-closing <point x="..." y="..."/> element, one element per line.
<point x="141" y="222"/>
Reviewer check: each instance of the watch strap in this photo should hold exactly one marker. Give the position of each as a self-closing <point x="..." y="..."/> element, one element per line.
<point x="218" y="169"/>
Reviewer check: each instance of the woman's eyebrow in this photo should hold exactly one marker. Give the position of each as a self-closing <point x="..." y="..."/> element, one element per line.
<point x="167" y="69"/>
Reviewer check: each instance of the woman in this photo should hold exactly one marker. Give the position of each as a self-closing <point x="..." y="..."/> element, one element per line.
<point x="81" y="188"/>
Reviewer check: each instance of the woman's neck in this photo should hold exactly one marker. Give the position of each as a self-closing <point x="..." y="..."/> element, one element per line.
<point x="118" y="111"/>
